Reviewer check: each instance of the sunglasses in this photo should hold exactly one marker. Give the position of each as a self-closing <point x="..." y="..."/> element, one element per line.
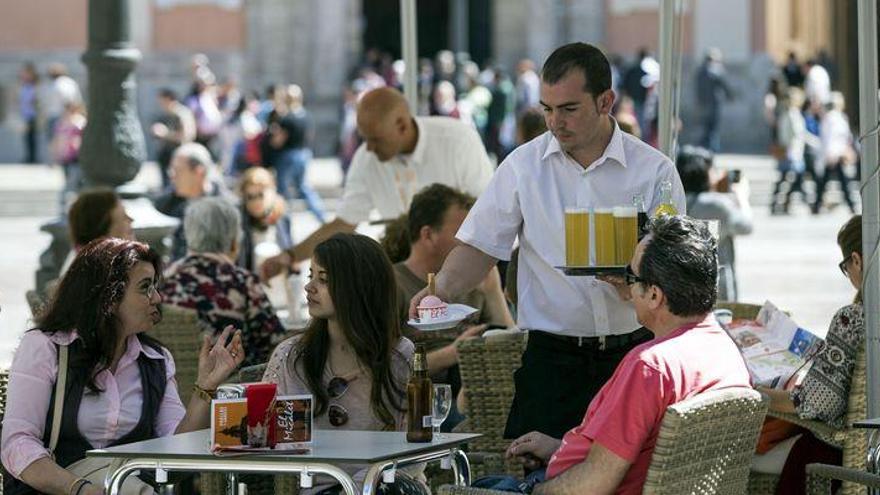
<point x="842" y="265"/>
<point x="337" y="414"/>
<point x="630" y="276"/>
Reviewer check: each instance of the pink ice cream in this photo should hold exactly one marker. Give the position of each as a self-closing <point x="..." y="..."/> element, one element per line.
<point x="432" y="308"/>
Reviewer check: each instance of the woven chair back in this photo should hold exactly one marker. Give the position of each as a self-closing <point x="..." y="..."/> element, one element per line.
<point x="181" y="333"/>
<point x="706" y="444"/>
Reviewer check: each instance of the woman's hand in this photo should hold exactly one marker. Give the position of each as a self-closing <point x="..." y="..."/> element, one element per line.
<point x="218" y="361"/>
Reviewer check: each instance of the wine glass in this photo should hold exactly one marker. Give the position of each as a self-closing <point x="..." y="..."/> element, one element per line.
<point x="442" y="402"/>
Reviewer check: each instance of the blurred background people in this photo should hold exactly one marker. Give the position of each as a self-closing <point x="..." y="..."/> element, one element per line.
<point x="730" y="207"/>
<point x="712" y="91"/>
<point x="837" y="151"/>
<point x="65" y="146"/>
<point x="175" y="126"/>
<point x="29" y="109"/>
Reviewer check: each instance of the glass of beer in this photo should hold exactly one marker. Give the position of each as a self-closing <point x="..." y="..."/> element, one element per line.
<point x="605" y="242"/>
<point x="577" y="237"/>
<point x="626" y="232"/>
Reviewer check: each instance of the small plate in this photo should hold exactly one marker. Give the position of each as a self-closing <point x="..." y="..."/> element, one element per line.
<point x="455" y="315"/>
<point x="593" y="271"/>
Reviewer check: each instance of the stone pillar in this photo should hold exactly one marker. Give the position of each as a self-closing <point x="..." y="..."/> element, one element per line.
<point x="113" y="141"/>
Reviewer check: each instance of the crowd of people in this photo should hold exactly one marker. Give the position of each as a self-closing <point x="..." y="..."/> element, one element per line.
<point x="609" y="353"/>
<point x="810" y="133"/>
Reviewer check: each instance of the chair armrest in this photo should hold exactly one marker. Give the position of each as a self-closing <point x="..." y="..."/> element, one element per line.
<point x="825" y="433"/>
<point x="819" y="477"/>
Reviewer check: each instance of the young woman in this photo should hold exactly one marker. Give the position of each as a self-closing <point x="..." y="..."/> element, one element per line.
<point x="351" y="356"/>
<point x="824" y="393"/>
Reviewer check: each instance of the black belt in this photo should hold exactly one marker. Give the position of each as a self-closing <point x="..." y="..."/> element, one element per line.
<point x="602" y="343"/>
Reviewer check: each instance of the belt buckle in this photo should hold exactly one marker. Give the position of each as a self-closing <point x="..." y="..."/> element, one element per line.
<point x="601" y="342"/>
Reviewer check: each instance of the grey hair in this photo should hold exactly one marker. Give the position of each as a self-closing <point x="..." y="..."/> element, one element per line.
<point x="211" y="225"/>
<point x="195" y="155"/>
<point x="681" y="257"/>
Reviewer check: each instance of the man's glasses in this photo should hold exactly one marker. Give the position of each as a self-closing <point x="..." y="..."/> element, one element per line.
<point x="842" y="265"/>
<point x="630" y="276"/>
<point x="336" y="414"/>
<point x="254" y="196"/>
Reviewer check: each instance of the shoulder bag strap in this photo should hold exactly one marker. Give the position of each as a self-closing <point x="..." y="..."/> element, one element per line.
<point x="60" y="386"/>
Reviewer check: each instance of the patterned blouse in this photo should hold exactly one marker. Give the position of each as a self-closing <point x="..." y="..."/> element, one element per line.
<point x="824" y="393"/>
<point x="225" y="294"/>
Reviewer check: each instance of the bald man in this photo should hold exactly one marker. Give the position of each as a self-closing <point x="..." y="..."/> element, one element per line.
<point x="401" y="154"/>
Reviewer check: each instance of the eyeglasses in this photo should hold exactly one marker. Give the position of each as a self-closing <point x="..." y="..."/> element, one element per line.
<point x="842" y="265"/>
<point x="337" y="414"/>
<point x="254" y="196"/>
<point x="630" y="276"/>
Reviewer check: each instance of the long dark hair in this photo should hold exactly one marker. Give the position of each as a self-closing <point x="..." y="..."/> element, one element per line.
<point x="87" y="299"/>
<point x="364" y="292"/>
<point x="90" y="215"/>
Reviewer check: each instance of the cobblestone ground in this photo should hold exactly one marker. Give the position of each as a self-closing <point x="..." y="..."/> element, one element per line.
<point x="790" y="260"/>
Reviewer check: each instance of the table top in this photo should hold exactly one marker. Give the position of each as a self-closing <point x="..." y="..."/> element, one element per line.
<point x="867" y="423"/>
<point x="329" y="446"/>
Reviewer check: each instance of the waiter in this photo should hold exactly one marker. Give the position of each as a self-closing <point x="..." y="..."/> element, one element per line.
<point x="579" y="328"/>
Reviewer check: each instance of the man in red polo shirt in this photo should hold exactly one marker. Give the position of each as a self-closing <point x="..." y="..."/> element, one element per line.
<point x="671" y="281"/>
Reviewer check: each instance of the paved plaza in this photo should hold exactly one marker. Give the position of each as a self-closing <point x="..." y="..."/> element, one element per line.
<point x="790" y="260"/>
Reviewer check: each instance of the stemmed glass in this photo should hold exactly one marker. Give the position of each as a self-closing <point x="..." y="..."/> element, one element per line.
<point x="442" y="402"/>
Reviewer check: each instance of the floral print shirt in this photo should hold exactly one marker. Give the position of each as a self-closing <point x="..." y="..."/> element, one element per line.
<point x="225" y="294"/>
<point x="824" y="393"/>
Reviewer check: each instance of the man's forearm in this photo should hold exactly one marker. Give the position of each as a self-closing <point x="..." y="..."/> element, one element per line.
<point x="600" y="473"/>
<point x="464" y="268"/>
<point x="303" y="250"/>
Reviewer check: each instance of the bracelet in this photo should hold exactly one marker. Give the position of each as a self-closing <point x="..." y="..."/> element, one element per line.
<point x="204" y="394"/>
<point x="73" y="489"/>
<point x="81" y="485"/>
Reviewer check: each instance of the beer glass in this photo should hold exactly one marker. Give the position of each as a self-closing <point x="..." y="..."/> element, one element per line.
<point x="577" y="237"/>
<point x="605" y="242"/>
<point x="626" y="232"/>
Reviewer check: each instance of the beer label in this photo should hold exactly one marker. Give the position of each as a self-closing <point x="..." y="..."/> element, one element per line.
<point x="427" y="422"/>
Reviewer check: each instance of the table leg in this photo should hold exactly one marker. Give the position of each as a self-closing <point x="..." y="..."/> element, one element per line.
<point x="231" y="483"/>
<point x="461" y="468"/>
<point x="873" y="457"/>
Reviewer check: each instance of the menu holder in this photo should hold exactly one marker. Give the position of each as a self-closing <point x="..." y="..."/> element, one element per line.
<point x="593" y="271"/>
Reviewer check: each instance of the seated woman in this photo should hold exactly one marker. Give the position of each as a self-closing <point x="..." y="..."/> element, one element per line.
<point x="351" y="356"/>
<point x="264" y="215"/>
<point x="208" y="280"/>
<point x="96" y="213"/>
<point x="823" y="394"/>
<point x="120" y="382"/>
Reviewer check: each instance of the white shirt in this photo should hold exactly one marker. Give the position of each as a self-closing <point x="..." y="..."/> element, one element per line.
<point x="448" y="152"/>
<point x="835" y="135"/>
<point x="62" y="90"/>
<point x="527" y="197"/>
<point x="817" y="84"/>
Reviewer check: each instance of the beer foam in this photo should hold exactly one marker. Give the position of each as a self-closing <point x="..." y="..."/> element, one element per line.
<point x="603" y="211"/>
<point x="575" y="209"/>
<point x="625" y="211"/>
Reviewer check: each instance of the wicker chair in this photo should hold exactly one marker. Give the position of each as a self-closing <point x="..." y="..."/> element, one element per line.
<point x="487" y="366"/>
<point x="853" y="441"/>
<point x="4" y="380"/>
<point x="36" y="301"/>
<point x="181" y="333"/>
<point x="705" y="445"/>
<point x="820" y="476"/>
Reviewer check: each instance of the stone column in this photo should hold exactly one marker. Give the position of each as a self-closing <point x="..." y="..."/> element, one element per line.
<point x="113" y="141"/>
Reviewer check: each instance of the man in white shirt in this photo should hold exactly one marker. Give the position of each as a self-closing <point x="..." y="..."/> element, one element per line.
<point x="61" y="90"/>
<point x="579" y="327"/>
<point x="817" y="84"/>
<point x="400" y="156"/>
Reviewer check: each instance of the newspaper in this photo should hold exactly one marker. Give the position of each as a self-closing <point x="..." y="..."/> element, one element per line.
<point x="775" y="348"/>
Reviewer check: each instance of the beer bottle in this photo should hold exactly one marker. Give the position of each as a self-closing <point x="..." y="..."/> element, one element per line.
<point x="638" y="202"/>
<point x="666" y="207"/>
<point x="418" y="398"/>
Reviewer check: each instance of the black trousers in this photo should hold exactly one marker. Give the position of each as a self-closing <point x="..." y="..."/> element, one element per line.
<point x="558" y="378"/>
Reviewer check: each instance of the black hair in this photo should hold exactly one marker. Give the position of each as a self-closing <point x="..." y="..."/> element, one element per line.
<point x="579" y="56"/>
<point x="693" y="164"/>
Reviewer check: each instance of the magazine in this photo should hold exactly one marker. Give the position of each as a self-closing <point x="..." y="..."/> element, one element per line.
<point x="292" y="425"/>
<point x="775" y="348"/>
